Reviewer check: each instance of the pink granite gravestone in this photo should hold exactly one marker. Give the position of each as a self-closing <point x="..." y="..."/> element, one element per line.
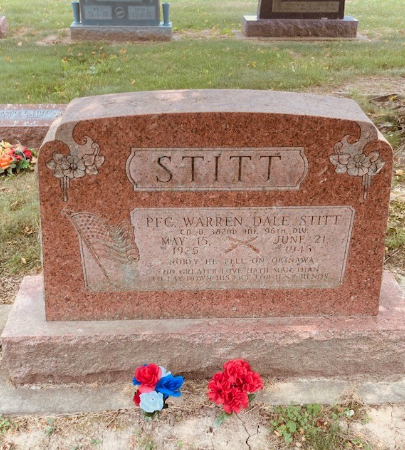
<point x="229" y="210"/>
<point x="192" y="204"/>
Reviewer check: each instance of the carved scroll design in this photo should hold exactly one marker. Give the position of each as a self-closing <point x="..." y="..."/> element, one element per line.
<point x="83" y="160"/>
<point x="350" y="157"/>
<point x="103" y="243"/>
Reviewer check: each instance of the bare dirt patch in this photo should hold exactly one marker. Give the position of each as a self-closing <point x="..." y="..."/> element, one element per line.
<point x="367" y="86"/>
<point x="53" y="39"/>
<point x="203" y="35"/>
<point x="8" y="289"/>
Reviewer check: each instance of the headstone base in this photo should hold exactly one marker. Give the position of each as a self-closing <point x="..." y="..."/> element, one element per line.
<point x="108" y="351"/>
<point x="3" y="27"/>
<point x="121" y="33"/>
<point x="301" y="28"/>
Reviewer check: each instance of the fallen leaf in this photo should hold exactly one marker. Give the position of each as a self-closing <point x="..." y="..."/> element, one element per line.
<point x="23" y="260"/>
<point x="28" y="230"/>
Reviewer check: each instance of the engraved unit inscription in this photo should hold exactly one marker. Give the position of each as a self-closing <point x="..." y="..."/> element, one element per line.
<point x="217" y="248"/>
<point x="217" y="168"/>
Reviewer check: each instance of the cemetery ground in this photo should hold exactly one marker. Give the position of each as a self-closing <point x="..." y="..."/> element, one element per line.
<point x="41" y="65"/>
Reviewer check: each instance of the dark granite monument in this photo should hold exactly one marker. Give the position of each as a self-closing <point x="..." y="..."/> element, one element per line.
<point x="300" y="18"/>
<point x="301" y="9"/>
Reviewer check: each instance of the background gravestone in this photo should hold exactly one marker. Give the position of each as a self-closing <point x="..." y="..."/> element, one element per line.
<point x="27" y="123"/>
<point x="123" y="20"/>
<point x="300" y="19"/>
<point x="3" y="27"/>
<point x="102" y="12"/>
<point x="301" y="9"/>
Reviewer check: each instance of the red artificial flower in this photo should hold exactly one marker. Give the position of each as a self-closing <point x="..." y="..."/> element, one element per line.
<point x="250" y="382"/>
<point x="231" y="387"/>
<point x="137" y="398"/>
<point x="148" y="376"/>
<point x="235" y="400"/>
<point x="217" y="388"/>
<point x="236" y="368"/>
<point x="27" y="153"/>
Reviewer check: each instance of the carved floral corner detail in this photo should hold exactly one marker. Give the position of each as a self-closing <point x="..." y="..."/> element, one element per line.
<point x="83" y="160"/>
<point x="350" y="157"/>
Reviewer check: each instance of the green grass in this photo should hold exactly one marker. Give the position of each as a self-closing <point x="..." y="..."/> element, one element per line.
<point x="58" y="73"/>
<point x="19" y="225"/>
<point x="396" y="226"/>
<point x="316" y="427"/>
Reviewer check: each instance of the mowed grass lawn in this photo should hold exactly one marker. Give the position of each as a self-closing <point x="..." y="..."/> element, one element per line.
<point x="40" y="64"/>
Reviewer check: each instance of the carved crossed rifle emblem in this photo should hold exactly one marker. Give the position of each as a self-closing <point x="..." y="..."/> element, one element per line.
<point x="239" y="242"/>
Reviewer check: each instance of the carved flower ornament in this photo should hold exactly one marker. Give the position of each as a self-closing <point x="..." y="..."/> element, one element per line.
<point x="84" y="159"/>
<point x="349" y="158"/>
<point x="358" y="165"/>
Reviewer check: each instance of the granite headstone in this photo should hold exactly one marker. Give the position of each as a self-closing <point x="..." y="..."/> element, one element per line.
<point x="27" y="123"/>
<point x="300" y="19"/>
<point x="3" y="27"/>
<point x="229" y="210"/>
<point x="120" y="12"/>
<point x="301" y="9"/>
<point x="122" y="20"/>
<point x="193" y="204"/>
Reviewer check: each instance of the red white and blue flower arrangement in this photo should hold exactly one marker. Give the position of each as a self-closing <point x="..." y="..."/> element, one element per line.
<point x="234" y="388"/>
<point x="155" y="386"/>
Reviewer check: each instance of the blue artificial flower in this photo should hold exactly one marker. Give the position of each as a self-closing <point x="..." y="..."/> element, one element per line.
<point x="170" y="385"/>
<point x="151" y="401"/>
